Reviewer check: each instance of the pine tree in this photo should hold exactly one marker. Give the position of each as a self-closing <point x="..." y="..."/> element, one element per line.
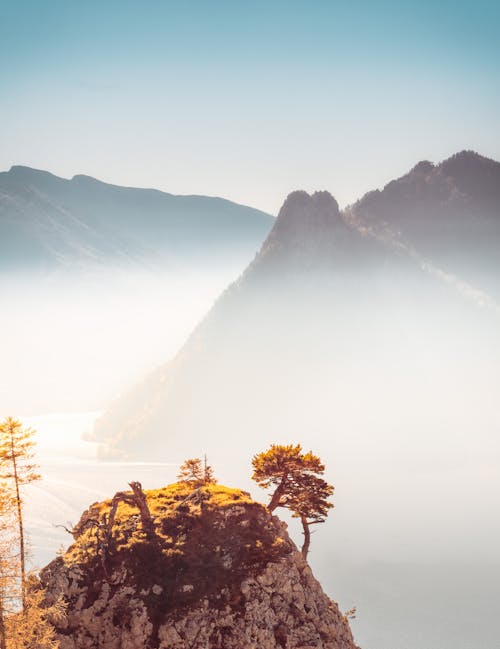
<point x="16" y="471"/>
<point x="9" y="573"/>
<point x="297" y="485"/>
<point x="8" y="561"/>
<point x="280" y="467"/>
<point x="208" y="472"/>
<point x="308" y="501"/>
<point x="196" y="473"/>
<point x="32" y="628"/>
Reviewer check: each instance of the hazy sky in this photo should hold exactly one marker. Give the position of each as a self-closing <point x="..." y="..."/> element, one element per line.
<point x="248" y="100"/>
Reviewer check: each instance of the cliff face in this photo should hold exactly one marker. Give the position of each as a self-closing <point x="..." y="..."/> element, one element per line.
<point x="219" y="572"/>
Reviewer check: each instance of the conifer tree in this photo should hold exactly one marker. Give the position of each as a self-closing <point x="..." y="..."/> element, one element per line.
<point x="32" y="628"/>
<point x="280" y="467"/>
<point x="297" y="485"/>
<point x="16" y="471"/>
<point x="8" y="562"/>
<point x="308" y="501"/>
<point x="197" y="473"/>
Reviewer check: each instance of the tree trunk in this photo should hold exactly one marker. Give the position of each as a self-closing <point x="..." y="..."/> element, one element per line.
<point x="3" y="642"/>
<point x="276" y="497"/>
<point x="307" y="536"/>
<point x="22" y="558"/>
<point x="142" y="505"/>
<point x="138" y="499"/>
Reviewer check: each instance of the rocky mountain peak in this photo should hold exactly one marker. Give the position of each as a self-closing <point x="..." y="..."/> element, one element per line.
<point x="467" y="158"/>
<point x="302" y="211"/>
<point x="311" y="231"/>
<point x="423" y="167"/>
<point x="475" y="176"/>
<point x="216" y="570"/>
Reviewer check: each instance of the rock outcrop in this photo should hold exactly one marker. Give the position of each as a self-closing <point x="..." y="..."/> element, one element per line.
<point x="311" y="233"/>
<point x="220" y="573"/>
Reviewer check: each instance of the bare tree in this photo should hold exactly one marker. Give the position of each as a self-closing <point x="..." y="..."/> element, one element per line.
<point x="136" y="499"/>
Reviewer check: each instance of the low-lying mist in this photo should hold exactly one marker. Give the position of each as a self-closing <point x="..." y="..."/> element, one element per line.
<point x="74" y="342"/>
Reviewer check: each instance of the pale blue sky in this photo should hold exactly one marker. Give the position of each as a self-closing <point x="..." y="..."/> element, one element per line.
<point x="247" y="100"/>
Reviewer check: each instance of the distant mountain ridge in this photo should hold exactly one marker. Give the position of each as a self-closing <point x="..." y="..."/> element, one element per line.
<point x="47" y="222"/>
<point x="449" y="213"/>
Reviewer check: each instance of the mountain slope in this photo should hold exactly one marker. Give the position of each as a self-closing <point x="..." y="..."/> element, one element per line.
<point x="325" y="313"/>
<point x="448" y="213"/>
<point x="48" y="222"/>
<point x="256" y="318"/>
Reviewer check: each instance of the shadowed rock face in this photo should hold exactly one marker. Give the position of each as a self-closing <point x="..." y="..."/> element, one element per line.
<point x="222" y="573"/>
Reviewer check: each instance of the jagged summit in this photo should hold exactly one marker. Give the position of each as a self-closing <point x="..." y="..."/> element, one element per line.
<point x="311" y="232"/>
<point x="300" y="199"/>
<point x="423" y="167"/>
<point x="468" y="157"/>
<point x="302" y="212"/>
<point x="218" y="571"/>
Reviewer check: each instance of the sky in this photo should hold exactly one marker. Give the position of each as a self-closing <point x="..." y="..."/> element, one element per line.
<point x="247" y="100"/>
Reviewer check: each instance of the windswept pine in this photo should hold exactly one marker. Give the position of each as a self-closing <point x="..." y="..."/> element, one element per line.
<point x="297" y="484"/>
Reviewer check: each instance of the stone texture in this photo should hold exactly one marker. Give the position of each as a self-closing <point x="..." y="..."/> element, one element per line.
<point x="278" y="605"/>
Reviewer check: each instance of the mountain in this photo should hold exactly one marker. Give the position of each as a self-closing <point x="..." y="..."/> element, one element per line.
<point x="312" y="262"/>
<point x="49" y="222"/>
<point x="311" y="233"/>
<point x="329" y="312"/>
<point x="198" y="568"/>
<point x="449" y="213"/>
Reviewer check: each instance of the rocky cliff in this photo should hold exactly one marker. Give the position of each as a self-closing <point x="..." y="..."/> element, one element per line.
<point x="216" y="570"/>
